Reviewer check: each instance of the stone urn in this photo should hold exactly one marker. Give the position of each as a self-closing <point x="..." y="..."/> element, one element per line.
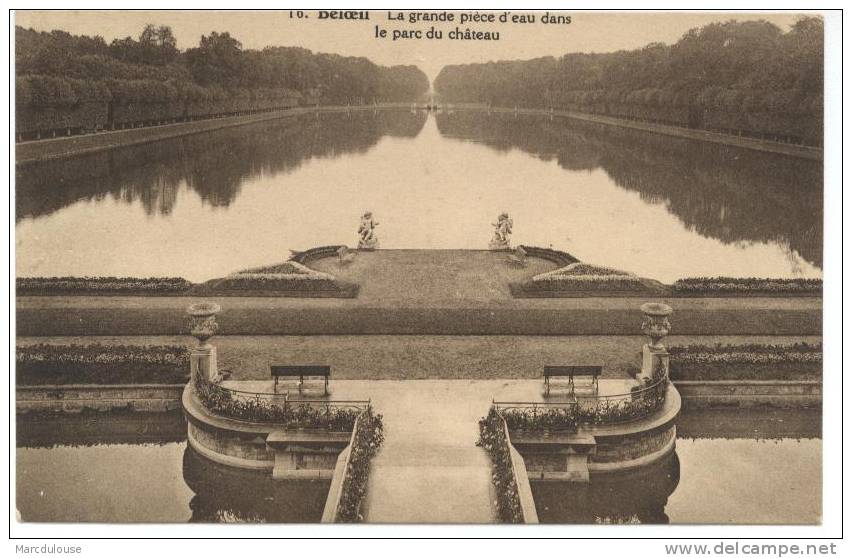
<point x="656" y="323"/>
<point x="202" y="321"/>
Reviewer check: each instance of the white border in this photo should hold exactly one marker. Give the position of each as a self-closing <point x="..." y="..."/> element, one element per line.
<point x="832" y="404"/>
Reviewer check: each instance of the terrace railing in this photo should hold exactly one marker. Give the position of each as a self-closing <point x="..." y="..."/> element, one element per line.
<point x="594" y="410"/>
<point x="249" y="406"/>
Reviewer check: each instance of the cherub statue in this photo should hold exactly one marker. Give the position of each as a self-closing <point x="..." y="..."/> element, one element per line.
<point x="367" y="238"/>
<point x="502" y="230"/>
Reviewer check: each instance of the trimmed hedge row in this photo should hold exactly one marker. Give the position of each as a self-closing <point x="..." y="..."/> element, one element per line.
<point x="747" y="285"/>
<point x="100" y="285"/>
<point x="801" y="361"/>
<point x="48" y="103"/>
<point x="101" y="364"/>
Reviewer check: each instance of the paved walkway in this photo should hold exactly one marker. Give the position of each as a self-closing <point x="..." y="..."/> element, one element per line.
<point x="429" y="469"/>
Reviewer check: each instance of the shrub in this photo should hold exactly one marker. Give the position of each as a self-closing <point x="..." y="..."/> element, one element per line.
<point x="99" y="285"/>
<point x="800" y="361"/>
<point x="492" y="438"/>
<point x="101" y="364"/>
<point x="366" y="442"/>
<point x="747" y="285"/>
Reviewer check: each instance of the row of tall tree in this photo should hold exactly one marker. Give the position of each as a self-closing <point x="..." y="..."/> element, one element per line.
<point x="740" y="76"/>
<point x="64" y="80"/>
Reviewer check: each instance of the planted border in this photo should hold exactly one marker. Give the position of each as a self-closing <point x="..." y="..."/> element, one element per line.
<point x="290" y="278"/>
<point x="582" y="279"/>
<point x="221" y="401"/>
<point x="47" y="286"/>
<point x="493" y="439"/>
<point x="747" y="285"/>
<point x="45" y="364"/>
<point x="366" y="441"/>
<point x="801" y="361"/>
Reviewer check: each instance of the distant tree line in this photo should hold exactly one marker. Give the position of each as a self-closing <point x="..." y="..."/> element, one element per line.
<point x="66" y="82"/>
<point x="741" y="77"/>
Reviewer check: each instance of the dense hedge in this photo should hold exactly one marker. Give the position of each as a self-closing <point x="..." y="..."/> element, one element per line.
<point x="801" y="361"/>
<point x="101" y="364"/>
<point x="734" y="76"/>
<point x="368" y="438"/>
<point x="747" y="285"/>
<point x="67" y="83"/>
<point x="100" y="285"/>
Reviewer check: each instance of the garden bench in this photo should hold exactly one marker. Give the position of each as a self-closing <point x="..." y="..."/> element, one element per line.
<point x="518" y="257"/>
<point x="345" y="255"/>
<point x="301" y="372"/>
<point x="587" y="376"/>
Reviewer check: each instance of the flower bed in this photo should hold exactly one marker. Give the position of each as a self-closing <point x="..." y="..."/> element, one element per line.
<point x="642" y="401"/>
<point x="541" y="419"/>
<point x="289" y="269"/>
<point x="101" y="364"/>
<point x="288" y="278"/>
<point x="747" y="285"/>
<point x="582" y="277"/>
<point x="366" y="442"/>
<point x="101" y="285"/>
<point x="221" y="401"/>
<point x="492" y="438"/>
<point x="801" y="361"/>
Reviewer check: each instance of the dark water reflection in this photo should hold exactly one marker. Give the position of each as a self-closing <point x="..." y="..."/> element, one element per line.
<point x="731" y="467"/>
<point x="660" y="207"/>
<point x="138" y="468"/>
<point x="733" y="195"/>
<point x="213" y="165"/>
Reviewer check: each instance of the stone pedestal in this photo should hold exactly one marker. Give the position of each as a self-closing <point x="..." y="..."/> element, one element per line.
<point x="651" y="358"/>
<point x="202" y="360"/>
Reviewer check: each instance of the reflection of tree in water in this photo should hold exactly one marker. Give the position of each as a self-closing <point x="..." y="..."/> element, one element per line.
<point x="639" y="496"/>
<point x="230" y="495"/>
<point x="733" y="195"/>
<point x="214" y="164"/>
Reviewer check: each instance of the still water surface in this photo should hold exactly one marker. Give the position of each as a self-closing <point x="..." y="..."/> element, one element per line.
<point x="206" y="205"/>
<point x="734" y="467"/>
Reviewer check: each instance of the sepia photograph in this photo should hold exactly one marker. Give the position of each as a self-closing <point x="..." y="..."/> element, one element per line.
<point x="419" y="267"/>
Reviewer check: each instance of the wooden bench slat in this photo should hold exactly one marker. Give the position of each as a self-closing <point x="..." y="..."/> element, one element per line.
<point x="572" y="370"/>
<point x="308" y="370"/>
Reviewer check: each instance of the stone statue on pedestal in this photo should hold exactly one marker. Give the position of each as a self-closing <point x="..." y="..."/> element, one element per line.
<point x="502" y="230"/>
<point x="367" y="239"/>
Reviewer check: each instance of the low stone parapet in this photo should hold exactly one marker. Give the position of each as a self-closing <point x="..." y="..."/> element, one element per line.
<point x="75" y="398"/>
<point x="593" y="449"/>
<point x="296" y="453"/>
